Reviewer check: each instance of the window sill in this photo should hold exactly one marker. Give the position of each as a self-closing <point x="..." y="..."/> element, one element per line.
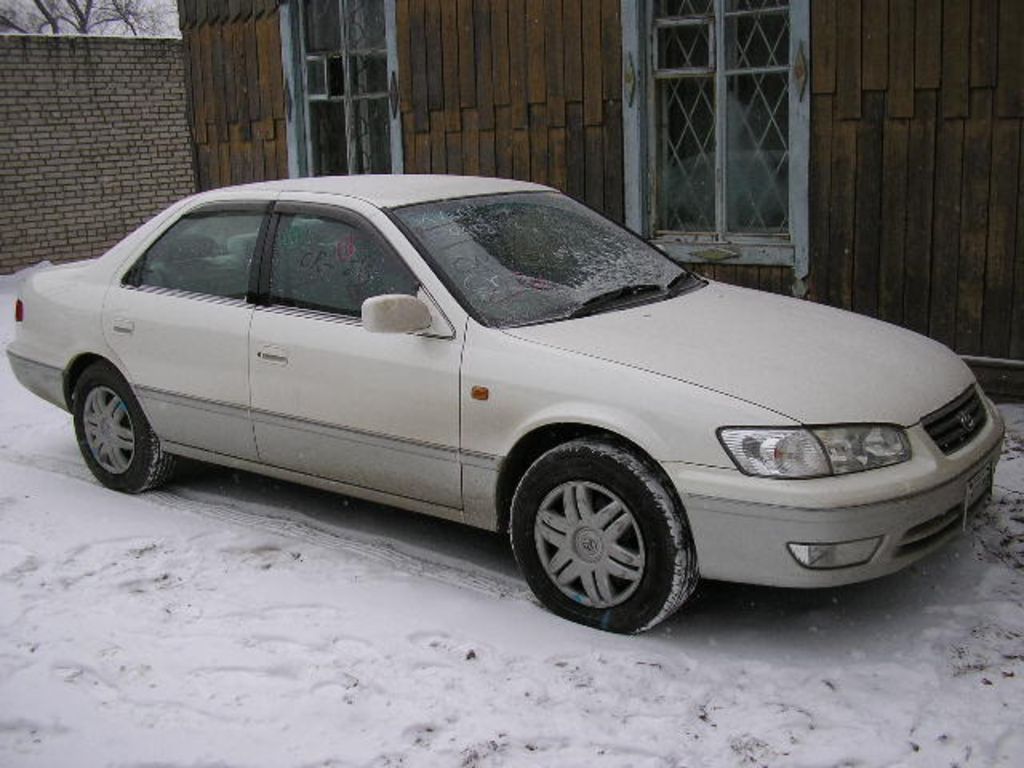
<point x="748" y="252"/>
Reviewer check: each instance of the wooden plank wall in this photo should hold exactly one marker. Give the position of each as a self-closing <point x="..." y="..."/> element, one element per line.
<point x="525" y="89"/>
<point x="235" y="87"/>
<point x="917" y="188"/>
<point x="772" y="279"/>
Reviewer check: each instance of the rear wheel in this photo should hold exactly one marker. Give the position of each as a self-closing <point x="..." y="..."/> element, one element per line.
<point x="116" y="441"/>
<point x="600" y="539"/>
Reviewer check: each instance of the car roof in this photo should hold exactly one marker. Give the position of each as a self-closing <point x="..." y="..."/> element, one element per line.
<point x="391" y="191"/>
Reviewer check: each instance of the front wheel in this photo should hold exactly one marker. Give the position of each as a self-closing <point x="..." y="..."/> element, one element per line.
<point x="116" y="441"/>
<point x="599" y="538"/>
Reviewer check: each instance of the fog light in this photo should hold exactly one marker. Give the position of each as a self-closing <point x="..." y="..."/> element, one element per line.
<point x="839" y="555"/>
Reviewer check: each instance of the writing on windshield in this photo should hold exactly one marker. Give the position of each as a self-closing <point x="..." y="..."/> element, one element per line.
<point x="532" y="257"/>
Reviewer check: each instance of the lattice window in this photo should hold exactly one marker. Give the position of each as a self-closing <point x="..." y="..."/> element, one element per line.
<point x="345" y="55"/>
<point x="716" y="126"/>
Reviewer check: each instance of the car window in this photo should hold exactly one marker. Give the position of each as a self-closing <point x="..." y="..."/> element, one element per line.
<point x="531" y="257"/>
<point x="331" y="265"/>
<point x="203" y="253"/>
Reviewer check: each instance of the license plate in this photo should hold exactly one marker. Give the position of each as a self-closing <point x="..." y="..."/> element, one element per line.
<point x="978" y="486"/>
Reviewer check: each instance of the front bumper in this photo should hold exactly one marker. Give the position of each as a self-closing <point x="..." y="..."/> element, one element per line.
<point x="742" y="526"/>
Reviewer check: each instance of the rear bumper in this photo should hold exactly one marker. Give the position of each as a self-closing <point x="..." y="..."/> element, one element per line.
<point x="746" y="540"/>
<point x="43" y="380"/>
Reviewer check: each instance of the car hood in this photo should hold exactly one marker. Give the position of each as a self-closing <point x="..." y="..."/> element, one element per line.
<point x="812" y="363"/>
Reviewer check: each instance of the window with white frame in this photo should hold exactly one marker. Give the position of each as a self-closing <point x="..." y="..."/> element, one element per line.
<point x="716" y="119"/>
<point x="341" y="68"/>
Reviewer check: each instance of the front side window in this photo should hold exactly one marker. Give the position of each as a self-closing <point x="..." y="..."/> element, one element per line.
<point x="533" y="257"/>
<point x="332" y="266"/>
<point x="202" y="253"/>
<point x="345" y="74"/>
<point x="725" y="123"/>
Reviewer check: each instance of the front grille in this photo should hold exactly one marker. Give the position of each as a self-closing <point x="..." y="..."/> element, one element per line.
<point x="954" y="425"/>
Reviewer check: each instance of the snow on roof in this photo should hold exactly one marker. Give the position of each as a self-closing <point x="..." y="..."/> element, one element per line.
<point x="396" y="190"/>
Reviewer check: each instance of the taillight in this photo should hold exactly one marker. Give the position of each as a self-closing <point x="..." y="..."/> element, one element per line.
<point x="19" y="311"/>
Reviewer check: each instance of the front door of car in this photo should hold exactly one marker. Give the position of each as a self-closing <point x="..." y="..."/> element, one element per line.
<point x="179" y="324"/>
<point x="329" y="398"/>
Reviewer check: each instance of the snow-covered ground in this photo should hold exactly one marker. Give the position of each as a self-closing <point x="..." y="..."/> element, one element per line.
<point x="231" y="620"/>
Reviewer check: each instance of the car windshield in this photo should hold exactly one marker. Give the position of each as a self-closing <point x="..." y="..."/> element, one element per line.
<point x="532" y="257"/>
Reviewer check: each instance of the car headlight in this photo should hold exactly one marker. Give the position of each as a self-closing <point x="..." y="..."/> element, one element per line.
<point x="814" y="452"/>
<point x="856" y="448"/>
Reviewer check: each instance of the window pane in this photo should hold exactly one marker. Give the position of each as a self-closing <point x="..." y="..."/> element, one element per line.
<point x="327" y="136"/>
<point x="684" y="47"/>
<point x="686" y="154"/>
<point x="323" y="32"/>
<point x="757" y="153"/>
<point x="372" y="136"/>
<point x="332" y="266"/>
<point x="757" y="40"/>
<point x="365" y="24"/>
<point x="684" y="7"/>
<point x="316" y="80"/>
<point x="370" y="74"/>
<point x="336" y="75"/>
<point x="203" y="254"/>
<point x="753" y="5"/>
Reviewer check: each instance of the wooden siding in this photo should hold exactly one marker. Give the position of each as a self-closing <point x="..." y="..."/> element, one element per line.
<point x="917" y="189"/>
<point x="236" y="90"/>
<point x="526" y="89"/>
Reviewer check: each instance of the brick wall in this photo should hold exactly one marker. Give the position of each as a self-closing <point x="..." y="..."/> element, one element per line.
<point x="94" y="140"/>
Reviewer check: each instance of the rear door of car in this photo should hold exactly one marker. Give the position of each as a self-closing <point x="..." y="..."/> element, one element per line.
<point x="178" y="320"/>
<point x="330" y="399"/>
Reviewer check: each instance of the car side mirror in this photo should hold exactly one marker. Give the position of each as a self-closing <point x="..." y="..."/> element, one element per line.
<point x="395" y="313"/>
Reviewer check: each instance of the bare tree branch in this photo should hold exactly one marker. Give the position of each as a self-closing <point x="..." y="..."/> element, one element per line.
<point x="8" y="24"/>
<point x="50" y="17"/>
<point x="84" y="17"/>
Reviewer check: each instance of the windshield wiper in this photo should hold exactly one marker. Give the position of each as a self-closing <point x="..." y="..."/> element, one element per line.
<point x="682" y="282"/>
<point x="614" y="296"/>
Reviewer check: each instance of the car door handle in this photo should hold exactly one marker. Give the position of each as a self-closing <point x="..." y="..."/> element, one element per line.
<point x="273" y="355"/>
<point x="122" y="325"/>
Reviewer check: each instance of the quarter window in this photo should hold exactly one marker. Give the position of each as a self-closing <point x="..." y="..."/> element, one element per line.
<point x="332" y="266"/>
<point x="202" y="253"/>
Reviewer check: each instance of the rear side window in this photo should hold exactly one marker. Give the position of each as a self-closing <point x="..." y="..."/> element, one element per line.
<point x="204" y="253"/>
<point x="332" y="266"/>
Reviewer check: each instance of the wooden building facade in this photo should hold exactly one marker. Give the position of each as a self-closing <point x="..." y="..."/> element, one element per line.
<point x="863" y="153"/>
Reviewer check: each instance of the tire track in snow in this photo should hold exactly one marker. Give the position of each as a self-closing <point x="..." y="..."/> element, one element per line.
<point x="296" y="526"/>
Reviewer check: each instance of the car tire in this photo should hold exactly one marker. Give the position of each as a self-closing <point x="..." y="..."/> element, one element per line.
<point x="600" y="539"/>
<point x="114" y="436"/>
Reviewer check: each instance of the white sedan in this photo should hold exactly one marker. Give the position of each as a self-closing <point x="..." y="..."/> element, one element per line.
<point x="492" y="352"/>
